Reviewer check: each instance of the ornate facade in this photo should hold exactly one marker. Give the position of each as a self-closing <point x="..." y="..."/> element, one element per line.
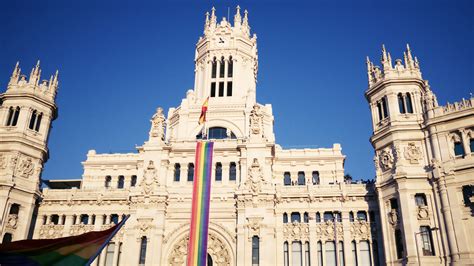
<point x="269" y="205"/>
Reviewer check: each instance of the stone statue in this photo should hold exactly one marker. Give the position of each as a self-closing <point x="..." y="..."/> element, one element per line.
<point x="256" y="121"/>
<point x="158" y="125"/>
<point x="149" y="178"/>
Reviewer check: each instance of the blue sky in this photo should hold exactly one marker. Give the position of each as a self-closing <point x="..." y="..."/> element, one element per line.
<point x="118" y="61"/>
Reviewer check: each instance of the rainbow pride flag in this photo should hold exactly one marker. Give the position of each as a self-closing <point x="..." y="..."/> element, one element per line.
<point x="70" y="251"/>
<point x="197" y="246"/>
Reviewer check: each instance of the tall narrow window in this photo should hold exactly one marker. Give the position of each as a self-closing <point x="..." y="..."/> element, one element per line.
<point x="190" y="172"/>
<point x="133" y="181"/>
<point x="233" y="171"/>
<point x="286" y="179"/>
<point x="38" y="122"/>
<point x="15" y="116"/>
<point x="143" y="244"/>
<point x="354" y="253"/>
<point x="109" y="255"/>
<point x="338" y="217"/>
<point x="471" y="144"/>
<point x="330" y="253"/>
<point x="399" y="244"/>
<point x="7" y="238"/>
<point x="213" y="89"/>
<point x="229" y="88"/>
<point x="320" y="253"/>
<point x="10" y="116"/>
<point x="340" y="248"/>
<point x="221" y="68"/>
<point x="230" y="67"/>
<point x="307" y="257"/>
<point x="295" y="217"/>
<point x="401" y="103"/>
<point x="177" y="172"/>
<point x="384" y="107"/>
<point x="218" y="172"/>
<point x="108" y="180"/>
<point x="426" y="241"/>
<point x="92" y="219"/>
<point x="306" y="217"/>
<point x="318" y="217"/>
<point x="315" y="178"/>
<point x="420" y="199"/>
<point x="458" y="148"/>
<point x="296" y="254"/>
<point x="121" y="181"/>
<point x="255" y="251"/>
<point x="221" y="89"/>
<point x="365" y="253"/>
<point x="351" y="216"/>
<point x="379" y="110"/>
<point x="32" y="120"/>
<point x="408" y="103"/>
<point x="214" y="68"/>
<point x="301" y="179"/>
<point x="286" y="255"/>
<point x="285" y="218"/>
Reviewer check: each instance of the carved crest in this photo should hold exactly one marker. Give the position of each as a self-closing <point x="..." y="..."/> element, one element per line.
<point x="386" y="159"/>
<point x="413" y="153"/>
<point x="26" y="168"/>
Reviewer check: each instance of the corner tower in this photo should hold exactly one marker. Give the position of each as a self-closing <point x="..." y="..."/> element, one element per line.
<point x="27" y="110"/>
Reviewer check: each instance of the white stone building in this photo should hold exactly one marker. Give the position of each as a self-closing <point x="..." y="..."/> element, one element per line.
<point x="269" y="205"/>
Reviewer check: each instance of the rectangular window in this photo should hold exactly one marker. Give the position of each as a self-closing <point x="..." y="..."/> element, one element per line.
<point x="222" y="68"/>
<point x="328" y="216"/>
<point x="458" y="149"/>
<point x="426" y="241"/>
<point x="330" y="253"/>
<point x="379" y="110"/>
<point x="190" y="172"/>
<point x="221" y="89"/>
<point x="218" y="173"/>
<point x="320" y="253"/>
<point x="341" y="253"/>
<point x="420" y="200"/>
<point x="307" y="255"/>
<point x="286" y="256"/>
<point x="365" y="253"/>
<point x="233" y="172"/>
<point x="214" y="69"/>
<point x="471" y="144"/>
<point x="255" y="250"/>
<point x="394" y="204"/>
<point x="384" y="107"/>
<point x="361" y="216"/>
<point x="296" y="254"/>
<point x="229" y="88"/>
<point x="354" y="253"/>
<point x="142" y="257"/>
<point x="109" y="255"/>
<point x="213" y="89"/>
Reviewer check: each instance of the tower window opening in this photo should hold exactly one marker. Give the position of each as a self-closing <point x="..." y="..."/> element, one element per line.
<point x="315" y="178"/>
<point x="222" y="68"/>
<point x="218" y="133"/>
<point x="230" y="67"/>
<point x="190" y="172"/>
<point x="133" y="181"/>
<point x="10" y="116"/>
<point x="213" y="89"/>
<point x="55" y="219"/>
<point x="287" y="179"/>
<point x="232" y="171"/>
<point x="420" y="200"/>
<point x="401" y="103"/>
<point x="13" y="118"/>
<point x="379" y="110"/>
<point x="458" y="148"/>
<point x="408" y="103"/>
<point x="394" y="204"/>
<point x="38" y="122"/>
<point x="177" y="172"/>
<point x="301" y="179"/>
<point x="384" y="107"/>
<point x="32" y="120"/>
<point x="214" y="68"/>
<point x="108" y="181"/>
<point x="121" y="181"/>
<point x="15" y="209"/>
<point x="218" y="172"/>
<point x="229" y="88"/>
<point x="221" y="89"/>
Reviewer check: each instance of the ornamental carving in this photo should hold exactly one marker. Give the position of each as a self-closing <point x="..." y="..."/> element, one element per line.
<point x="360" y="230"/>
<point x="26" y="168"/>
<point x="149" y="178"/>
<point x="255" y="179"/>
<point x="393" y="218"/>
<point x="329" y="230"/>
<point x="256" y="121"/>
<point x="158" y="125"/>
<point x="79" y="229"/>
<point x="413" y="153"/>
<point x="216" y="248"/>
<point x="3" y="161"/>
<point x="51" y="231"/>
<point x="296" y="231"/>
<point x="144" y="225"/>
<point x="254" y="225"/>
<point x="12" y="221"/>
<point x="386" y="159"/>
<point x="423" y="213"/>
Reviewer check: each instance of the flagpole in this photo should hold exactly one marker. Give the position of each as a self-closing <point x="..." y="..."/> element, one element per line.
<point x="108" y="240"/>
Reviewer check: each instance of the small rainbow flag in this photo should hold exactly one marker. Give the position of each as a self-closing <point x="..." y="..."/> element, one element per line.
<point x="70" y="251"/>
<point x="197" y="246"/>
<point x="202" y="118"/>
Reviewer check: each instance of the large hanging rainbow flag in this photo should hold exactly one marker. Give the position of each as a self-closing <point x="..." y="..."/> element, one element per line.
<point x="197" y="246"/>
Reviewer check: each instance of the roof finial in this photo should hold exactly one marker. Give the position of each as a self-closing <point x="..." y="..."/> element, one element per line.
<point x="35" y="74"/>
<point x="237" y="18"/>
<point x="409" y="58"/>
<point x="15" y="73"/>
<point x="245" y="23"/>
<point x="213" y="22"/>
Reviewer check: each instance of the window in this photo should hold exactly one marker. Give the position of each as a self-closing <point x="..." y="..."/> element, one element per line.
<point x="104" y="219"/>
<point x="471" y="144"/>
<point x="296" y="254"/>
<point x="399" y="244"/>
<point x="408" y="103"/>
<point x="330" y="253"/>
<point x="365" y="253"/>
<point x="362" y="216"/>
<point x="318" y="217"/>
<point x="32" y="120"/>
<point x="108" y="180"/>
<point x="218" y="133"/>
<point x="214" y="68"/>
<point x="213" y="89"/>
<point x="286" y="255"/>
<point x="84" y="219"/>
<point x="121" y="181"/>
<point x="467" y="194"/>
<point x="384" y="107"/>
<point x="10" y="117"/>
<point x="232" y="171"/>
<point x="340" y="248"/>
<point x="458" y="148"/>
<point x="420" y="200"/>
<point x="177" y="172"/>
<point x="295" y="217"/>
<point x="229" y="88"/>
<point x="255" y="250"/>
<point x="13" y="114"/>
<point x="354" y="253"/>
<point x="218" y="172"/>
<point x="221" y="89"/>
<point x="143" y="244"/>
<point x="133" y="181"/>
<point x="394" y="204"/>
<point x="379" y="110"/>
<point x="7" y="238"/>
<point x="315" y="178"/>
<point x="109" y="254"/>
<point x="221" y="67"/>
<point x="401" y="104"/>
<point x="63" y="220"/>
<point x="114" y="218"/>
<point x="426" y="241"/>
<point x="351" y="216"/>
<point x="287" y="179"/>
<point x="38" y="122"/>
<point x="338" y="217"/>
<point x="15" y="208"/>
<point x="93" y="219"/>
<point x="306" y="217"/>
<point x="301" y="179"/>
<point x="55" y="219"/>
<point x="328" y="216"/>
<point x="307" y="257"/>
<point x="320" y="253"/>
<point x="190" y="172"/>
<point x="230" y="68"/>
<point x="74" y="219"/>
<point x="285" y="218"/>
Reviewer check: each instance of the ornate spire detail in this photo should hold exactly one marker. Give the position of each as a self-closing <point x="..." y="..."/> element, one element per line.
<point x="386" y="59"/>
<point x="15" y="74"/>
<point x="245" y="23"/>
<point x="237" y="18"/>
<point x="35" y="74"/>
<point x="53" y="83"/>
<point x="213" y="22"/>
<point x="408" y="58"/>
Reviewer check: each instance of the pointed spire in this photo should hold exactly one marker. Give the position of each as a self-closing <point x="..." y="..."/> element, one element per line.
<point x="417" y="64"/>
<point x="15" y="74"/>
<point x="409" y="58"/>
<point x="237" y="18"/>
<point x="35" y="74"/>
<point x="386" y="59"/>
<point x="384" y="53"/>
<point x="213" y="18"/>
<point x="245" y="23"/>
<point x="207" y="19"/>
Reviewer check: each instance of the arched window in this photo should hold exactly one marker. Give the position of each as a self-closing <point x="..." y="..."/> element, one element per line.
<point x="10" y="116"/>
<point x="218" y="172"/>
<point x="338" y="217"/>
<point x="218" y="133"/>
<point x="408" y="103"/>
<point x="15" y="117"/>
<point x="255" y="250"/>
<point x="306" y="217"/>
<point x="286" y="255"/>
<point x="384" y="107"/>
<point x="285" y="218"/>
<point x="307" y="256"/>
<point x="232" y="171"/>
<point x="354" y="252"/>
<point x="143" y="244"/>
<point x="296" y="217"/>
<point x="315" y="178"/>
<point x="362" y="216"/>
<point x="365" y="253"/>
<point x="114" y="218"/>
<point x="133" y="181"/>
<point x="214" y="68"/>
<point x="230" y="67"/>
<point x="177" y="172"/>
<point x="32" y="120"/>
<point x="287" y="179"/>
<point x="318" y="217"/>
<point x="330" y="253"/>
<point x="401" y="103"/>
<point x="7" y="238"/>
<point x="121" y="181"/>
<point x="190" y="172"/>
<point x="38" y="122"/>
<point x="222" y="68"/>
<point x="340" y="248"/>
<point x="84" y="219"/>
<point x="379" y="110"/>
<point x="351" y="216"/>
<point x="108" y="180"/>
<point x="301" y="179"/>
<point x="420" y="199"/>
<point x="109" y="254"/>
<point x="296" y="254"/>
<point x="320" y="253"/>
<point x="15" y="209"/>
<point x="55" y="219"/>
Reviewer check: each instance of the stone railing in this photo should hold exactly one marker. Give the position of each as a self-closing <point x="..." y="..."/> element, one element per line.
<point x="458" y="106"/>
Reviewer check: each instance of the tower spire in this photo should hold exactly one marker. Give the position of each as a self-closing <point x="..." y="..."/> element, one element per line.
<point x="35" y="74"/>
<point x="237" y="18"/>
<point x="245" y="23"/>
<point x="213" y="22"/>
<point x="408" y="58"/>
<point x="15" y="73"/>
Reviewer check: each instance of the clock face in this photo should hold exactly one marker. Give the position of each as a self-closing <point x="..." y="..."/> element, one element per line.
<point x="221" y="41"/>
